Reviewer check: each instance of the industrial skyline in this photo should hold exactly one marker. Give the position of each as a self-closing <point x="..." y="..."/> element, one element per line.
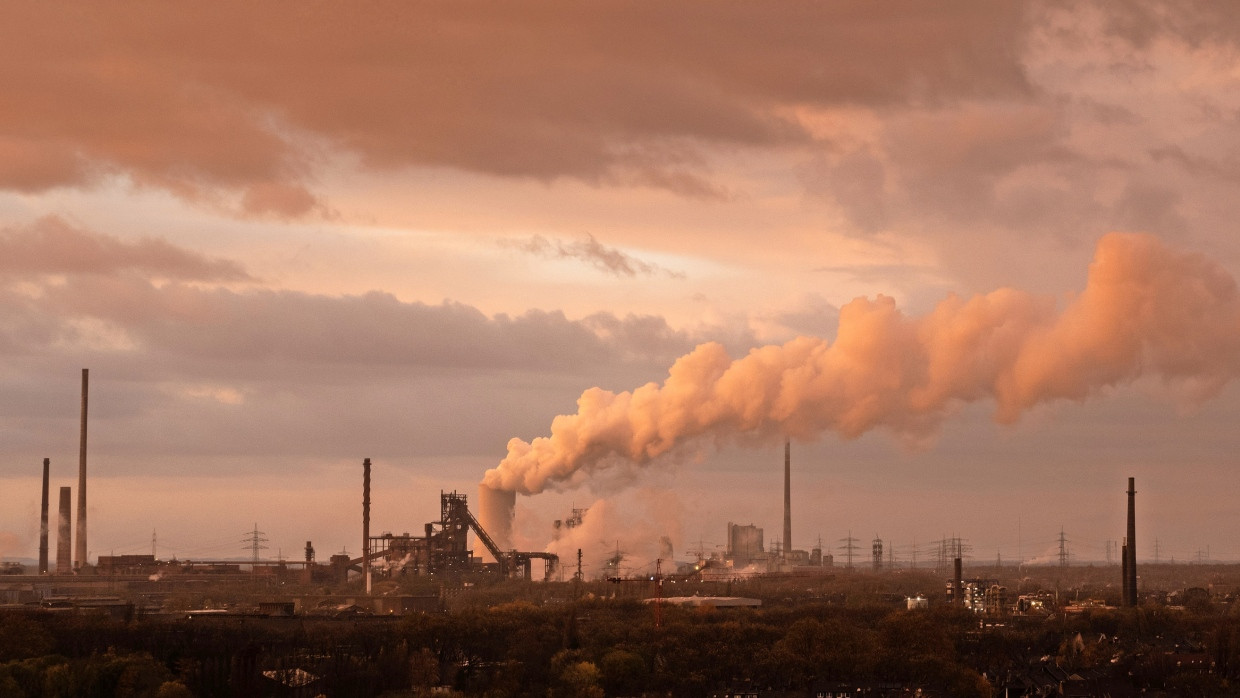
<point x="744" y="551"/>
<point x="429" y="234"/>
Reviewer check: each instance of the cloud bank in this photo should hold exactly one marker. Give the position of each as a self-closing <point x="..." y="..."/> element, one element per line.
<point x="244" y="101"/>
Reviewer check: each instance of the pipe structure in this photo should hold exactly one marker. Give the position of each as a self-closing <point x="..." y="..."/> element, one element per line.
<point x="787" y="498"/>
<point x="366" y="522"/>
<point x="79" y="559"/>
<point x="64" y="544"/>
<point x="1132" y="537"/>
<point x="47" y="463"/>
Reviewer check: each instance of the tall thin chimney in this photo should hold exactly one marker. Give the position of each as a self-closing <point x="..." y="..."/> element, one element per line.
<point x="47" y="462"/>
<point x="1123" y="572"/>
<point x="79" y="559"/>
<point x="366" y="523"/>
<point x="787" y="498"/>
<point x="958" y="580"/>
<point x="64" y="544"/>
<point x="1131" y="581"/>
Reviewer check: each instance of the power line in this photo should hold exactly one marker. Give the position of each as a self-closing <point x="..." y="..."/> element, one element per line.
<point x="254" y="541"/>
<point x="849" y="547"/>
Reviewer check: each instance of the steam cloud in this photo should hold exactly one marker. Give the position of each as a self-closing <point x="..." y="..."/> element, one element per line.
<point x="641" y="523"/>
<point x="1147" y="310"/>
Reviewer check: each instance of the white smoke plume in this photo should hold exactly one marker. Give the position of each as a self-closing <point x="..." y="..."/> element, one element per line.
<point x="642" y="524"/>
<point x="1146" y="310"/>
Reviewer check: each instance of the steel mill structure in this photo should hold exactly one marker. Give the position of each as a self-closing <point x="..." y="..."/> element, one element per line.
<point x="444" y="549"/>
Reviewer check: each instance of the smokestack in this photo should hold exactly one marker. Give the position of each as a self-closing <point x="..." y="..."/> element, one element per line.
<point x="495" y="511"/>
<point x="787" y="498"/>
<point x="1123" y="572"/>
<point x="47" y="462"/>
<point x="1131" y="581"/>
<point x="79" y="559"/>
<point x="958" y="582"/>
<point x="64" y="545"/>
<point x="366" y="522"/>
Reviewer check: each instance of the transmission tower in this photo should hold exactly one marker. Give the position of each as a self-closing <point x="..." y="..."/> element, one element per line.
<point x="254" y="542"/>
<point x="849" y="547"/>
<point x="950" y="548"/>
<point x="1063" y="548"/>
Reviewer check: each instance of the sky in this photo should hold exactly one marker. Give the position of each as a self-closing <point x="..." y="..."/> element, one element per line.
<point x="286" y="237"/>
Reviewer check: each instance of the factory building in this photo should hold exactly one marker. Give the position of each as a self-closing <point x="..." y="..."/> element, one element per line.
<point x="982" y="596"/>
<point x="745" y="545"/>
<point x="445" y="547"/>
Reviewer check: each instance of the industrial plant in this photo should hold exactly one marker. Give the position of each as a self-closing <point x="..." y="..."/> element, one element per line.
<point x="464" y="558"/>
<point x="442" y="551"/>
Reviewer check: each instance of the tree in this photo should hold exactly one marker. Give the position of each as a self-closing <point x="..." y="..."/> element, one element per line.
<point x="173" y="689"/>
<point x="575" y="677"/>
<point x="623" y="672"/>
<point x="22" y="638"/>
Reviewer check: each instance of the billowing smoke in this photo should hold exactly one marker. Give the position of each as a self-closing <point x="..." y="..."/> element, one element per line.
<point x="641" y="524"/>
<point x="1146" y="310"/>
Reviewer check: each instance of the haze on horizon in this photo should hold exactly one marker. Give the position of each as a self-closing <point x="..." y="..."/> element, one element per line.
<point x="284" y="238"/>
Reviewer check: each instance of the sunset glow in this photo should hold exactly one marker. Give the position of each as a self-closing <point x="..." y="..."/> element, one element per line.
<point x="976" y="259"/>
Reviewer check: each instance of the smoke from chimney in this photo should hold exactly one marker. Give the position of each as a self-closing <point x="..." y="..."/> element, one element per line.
<point x="1146" y="310"/>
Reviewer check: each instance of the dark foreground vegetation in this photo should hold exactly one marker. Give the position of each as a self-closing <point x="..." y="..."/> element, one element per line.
<point x="561" y="640"/>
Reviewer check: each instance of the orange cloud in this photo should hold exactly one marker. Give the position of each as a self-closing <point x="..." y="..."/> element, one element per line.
<point x="53" y="246"/>
<point x="215" y="99"/>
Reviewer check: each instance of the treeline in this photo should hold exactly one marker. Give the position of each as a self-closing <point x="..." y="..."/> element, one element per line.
<point x="601" y="648"/>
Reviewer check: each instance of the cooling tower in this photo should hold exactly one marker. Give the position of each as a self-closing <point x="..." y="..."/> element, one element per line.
<point x="64" y="543"/>
<point x="495" y="511"/>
